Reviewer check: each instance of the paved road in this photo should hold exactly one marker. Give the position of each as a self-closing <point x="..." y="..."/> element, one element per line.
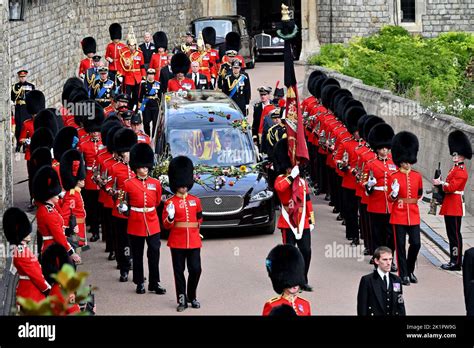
<point x="234" y="279"/>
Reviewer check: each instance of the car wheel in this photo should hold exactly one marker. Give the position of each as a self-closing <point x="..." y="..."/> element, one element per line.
<point x="270" y="229"/>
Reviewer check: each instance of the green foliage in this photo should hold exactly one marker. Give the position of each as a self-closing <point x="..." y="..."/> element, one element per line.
<point x="429" y="70"/>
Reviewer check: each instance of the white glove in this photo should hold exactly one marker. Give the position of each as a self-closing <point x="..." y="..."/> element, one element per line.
<point x="120" y="78"/>
<point x="110" y="59"/>
<point x="372" y="182"/>
<point x="62" y="194"/>
<point x="170" y="210"/>
<point x="311" y="227"/>
<point x="295" y="172"/>
<point x="28" y="141"/>
<point x="122" y="208"/>
<point x="395" y="188"/>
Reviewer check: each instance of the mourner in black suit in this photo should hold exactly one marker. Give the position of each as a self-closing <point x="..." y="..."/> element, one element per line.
<point x="381" y="293"/>
<point x="468" y="280"/>
<point x="200" y="80"/>
<point x="165" y="75"/>
<point x="148" y="48"/>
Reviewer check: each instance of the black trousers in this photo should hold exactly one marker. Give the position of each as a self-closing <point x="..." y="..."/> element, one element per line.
<point x="339" y="195"/>
<point x="137" y="244"/>
<point x="123" y="251"/>
<point x="181" y="258"/>
<point x="365" y="228"/>
<point x="382" y="233"/>
<point x="453" y="230"/>
<point x="132" y="91"/>
<point x="21" y="115"/>
<point x="313" y="167"/>
<point x="405" y="265"/>
<point x="323" y="173"/>
<point x="303" y="244"/>
<point x="29" y="168"/>
<point x="350" y="207"/>
<point x="91" y="205"/>
<point x="332" y="189"/>
<point x="149" y="115"/>
<point x="107" y="229"/>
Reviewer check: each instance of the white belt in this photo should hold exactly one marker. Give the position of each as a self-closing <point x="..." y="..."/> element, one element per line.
<point x="89" y="168"/>
<point x="458" y="192"/>
<point x="48" y="238"/>
<point x="142" y="210"/>
<point x="23" y="277"/>
<point x="380" y="188"/>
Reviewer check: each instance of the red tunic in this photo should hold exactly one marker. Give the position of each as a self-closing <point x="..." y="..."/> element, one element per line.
<point x="405" y="207"/>
<point x="158" y="61"/>
<point x="89" y="147"/>
<point x="214" y="60"/>
<point x="348" y="176"/>
<point x="132" y="66"/>
<point x="204" y="60"/>
<point x="144" y="196"/>
<point x="85" y="64"/>
<point x="32" y="283"/>
<point x="453" y="202"/>
<point x="265" y="112"/>
<point x="56" y="291"/>
<point x="378" y="198"/>
<point x="119" y="173"/>
<point x="27" y="131"/>
<point x="51" y="226"/>
<point x="186" y="84"/>
<point x="142" y="137"/>
<point x="301" y="306"/>
<point x="104" y="197"/>
<point x="73" y="200"/>
<point x="113" y="51"/>
<point x="283" y="187"/>
<point x="184" y="228"/>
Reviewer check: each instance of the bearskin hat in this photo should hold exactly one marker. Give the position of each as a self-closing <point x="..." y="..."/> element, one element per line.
<point x="360" y="125"/>
<point x="115" y="31"/>
<point x="281" y="158"/>
<point x="181" y="173"/>
<point x="78" y="94"/>
<point x="46" y="184"/>
<point x="317" y="87"/>
<point x="180" y="63"/>
<point x="72" y="169"/>
<point x="232" y="41"/>
<point x="40" y="157"/>
<point x="66" y="139"/>
<point x="459" y="143"/>
<point x="209" y="35"/>
<point x="71" y="84"/>
<point x="58" y="116"/>
<point x="160" y="39"/>
<point x="404" y="148"/>
<point x="93" y="116"/>
<point x="89" y="45"/>
<point x="283" y="311"/>
<point x="285" y="267"/>
<point x="53" y="259"/>
<point x="330" y="81"/>
<point x="46" y="118"/>
<point x="35" y="101"/>
<point x="352" y="116"/>
<point x="315" y="75"/>
<point x="16" y="225"/>
<point x="326" y="95"/>
<point x="110" y="140"/>
<point x="337" y="97"/>
<point x="124" y="139"/>
<point x="370" y="123"/>
<point x="344" y="105"/>
<point x="141" y="155"/>
<point x="109" y="123"/>
<point x="381" y="136"/>
<point x="41" y="137"/>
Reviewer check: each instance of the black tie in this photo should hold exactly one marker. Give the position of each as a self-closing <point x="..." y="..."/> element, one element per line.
<point x="385" y="281"/>
<point x="195" y="79"/>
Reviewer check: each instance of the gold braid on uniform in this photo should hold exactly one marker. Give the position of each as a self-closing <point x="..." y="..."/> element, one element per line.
<point x="17" y="92"/>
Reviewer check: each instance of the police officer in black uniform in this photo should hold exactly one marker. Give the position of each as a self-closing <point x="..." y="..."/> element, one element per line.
<point x="18" y="92"/>
<point x="237" y="87"/>
<point x="104" y="88"/>
<point x="149" y="100"/>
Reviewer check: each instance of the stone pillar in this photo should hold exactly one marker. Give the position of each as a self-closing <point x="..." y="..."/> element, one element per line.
<point x="309" y="30"/>
<point x="219" y="7"/>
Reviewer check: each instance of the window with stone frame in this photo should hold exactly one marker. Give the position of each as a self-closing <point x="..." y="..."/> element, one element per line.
<point x="408" y="11"/>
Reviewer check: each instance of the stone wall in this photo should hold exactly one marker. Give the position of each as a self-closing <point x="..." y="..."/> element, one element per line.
<point x="448" y="15"/>
<point x="405" y="114"/>
<point x="47" y="42"/>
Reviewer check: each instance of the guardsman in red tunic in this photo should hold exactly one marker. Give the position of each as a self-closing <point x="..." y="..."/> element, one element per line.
<point x="453" y="186"/>
<point x="286" y="269"/>
<point x="209" y="37"/>
<point x="180" y="64"/>
<point x="182" y="216"/>
<point x="346" y="159"/>
<point x="89" y="47"/>
<point x="132" y="68"/>
<point x="46" y="189"/>
<point x="73" y="173"/>
<point x="66" y="139"/>
<point x="89" y="146"/>
<point x="203" y="57"/>
<point x="378" y="172"/>
<point x="232" y="47"/>
<point x="112" y="52"/>
<point x="406" y="188"/>
<point x="143" y="198"/>
<point x="119" y="172"/>
<point x="17" y="228"/>
<point x="294" y="231"/>
<point x="159" y="59"/>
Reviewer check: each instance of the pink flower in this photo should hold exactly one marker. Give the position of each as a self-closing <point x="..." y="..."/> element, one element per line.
<point x="211" y="119"/>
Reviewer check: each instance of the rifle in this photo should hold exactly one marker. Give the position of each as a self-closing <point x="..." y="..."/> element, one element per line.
<point x="114" y="189"/>
<point x="96" y="174"/>
<point x="437" y="193"/>
<point x="103" y="178"/>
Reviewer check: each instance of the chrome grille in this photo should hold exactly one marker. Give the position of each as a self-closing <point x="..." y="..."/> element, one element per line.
<point x="221" y="205"/>
<point x="263" y="40"/>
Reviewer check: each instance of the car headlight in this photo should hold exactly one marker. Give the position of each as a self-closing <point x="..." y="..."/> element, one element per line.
<point x="262" y="195"/>
<point x="276" y="40"/>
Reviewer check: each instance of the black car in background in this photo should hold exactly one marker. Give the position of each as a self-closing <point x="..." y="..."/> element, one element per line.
<point x="190" y="124"/>
<point x="223" y="25"/>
